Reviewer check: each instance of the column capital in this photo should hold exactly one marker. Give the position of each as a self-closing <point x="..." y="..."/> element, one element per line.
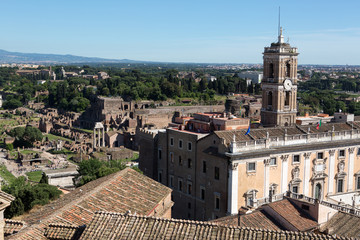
<point x="234" y="166"/>
<point x="267" y="161"/>
<point x="332" y="152"/>
<point x="284" y="158"/>
<point x="307" y="154"/>
<point x="351" y="150"/>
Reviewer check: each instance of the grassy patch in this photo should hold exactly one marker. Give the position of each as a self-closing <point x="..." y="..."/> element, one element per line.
<point x="135" y="157"/>
<point x="34" y="176"/>
<point x="35" y="119"/>
<point x="52" y="137"/>
<point x="26" y="151"/>
<point x="63" y="151"/>
<point x="6" y="175"/>
<point x="7" y="123"/>
<point x="218" y="97"/>
<point x="83" y="130"/>
<point x="14" y="152"/>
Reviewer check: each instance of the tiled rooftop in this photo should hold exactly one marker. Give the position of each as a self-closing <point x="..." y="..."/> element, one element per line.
<point x="63" y="231"/>
<point x="111" y="226"/>
<point x="261" y="133"/>
<point x="256" y="219"/>
<point x="12" y="226"/>
<point x="229" y="135"/>
<point x="343" y="224"/>
<point x="123" y="191"/>
<point x="293" y="215"/>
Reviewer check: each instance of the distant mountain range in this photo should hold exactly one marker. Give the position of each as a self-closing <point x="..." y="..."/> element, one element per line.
<point x="39" y="58"/>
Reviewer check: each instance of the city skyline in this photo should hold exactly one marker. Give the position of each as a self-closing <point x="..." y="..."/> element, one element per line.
<point x="325" y="32"/>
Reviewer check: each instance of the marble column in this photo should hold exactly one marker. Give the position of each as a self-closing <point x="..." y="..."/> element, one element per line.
<point x="94" y="138"/>
<point x="103" y="137"/>
<point x="350" y="173"/>
<point x="284" y="173"/>
<point x="307" y="173"/>
<point x="331" y="171"/>
<point x="233" y="189"/>
<point x="99" y="137"/>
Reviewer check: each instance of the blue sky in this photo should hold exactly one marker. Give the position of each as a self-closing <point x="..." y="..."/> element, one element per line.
<point x="228" y="31"/>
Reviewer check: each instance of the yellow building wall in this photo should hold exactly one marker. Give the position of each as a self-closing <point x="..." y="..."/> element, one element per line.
<point x="248" y="181"/>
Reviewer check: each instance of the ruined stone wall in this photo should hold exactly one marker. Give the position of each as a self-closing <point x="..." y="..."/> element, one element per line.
<point x="105" y="109"/>
<point x="184" y="110"/>
<point x="147" y="141"/>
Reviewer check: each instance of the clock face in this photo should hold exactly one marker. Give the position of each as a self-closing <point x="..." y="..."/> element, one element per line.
<point x="287" y="84"/>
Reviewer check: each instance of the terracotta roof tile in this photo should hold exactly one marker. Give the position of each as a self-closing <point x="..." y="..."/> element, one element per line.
<point x="63" y="232"/>
<point x="256" y="219"/>
<point x="261" y="133"/>
<point x="110" y="226"/>
<point x="292" y="214"/>
<point x="122" y="191"/>
<point x="343" y="224"/>
<point x="13" y="226"/>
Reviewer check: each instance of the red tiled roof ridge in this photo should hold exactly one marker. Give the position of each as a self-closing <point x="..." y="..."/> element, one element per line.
<point x="202" y="223"/>
<point x="156" y="218"/>
<point x="62" y="225"/>
<point x="14" y="221"/>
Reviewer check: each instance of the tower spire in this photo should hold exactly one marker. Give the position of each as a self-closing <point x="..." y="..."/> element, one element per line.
<point x="279" y="23"/>
<point x="280" y="36"/>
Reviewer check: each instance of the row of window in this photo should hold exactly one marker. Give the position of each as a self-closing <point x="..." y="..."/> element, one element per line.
<point x="251" y="167"/>
<point x="189" y="190"/>
<point x="180" y="160"/>
<point x="189" y="164"/>
<point x="251" y="195"/>
<point x="180" y="145"/>
<point x="288" y="70"/>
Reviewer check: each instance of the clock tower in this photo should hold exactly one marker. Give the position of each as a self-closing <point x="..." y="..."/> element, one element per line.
<point x="279" y="84"/>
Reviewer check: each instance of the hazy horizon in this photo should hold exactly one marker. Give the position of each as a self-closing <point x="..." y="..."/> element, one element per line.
<point x="325" y="32"/>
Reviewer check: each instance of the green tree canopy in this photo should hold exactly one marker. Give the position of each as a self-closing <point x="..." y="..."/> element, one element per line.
<point x="12" y="104"/>
<point x="26" y="136"/>
<point x="27" y="196"/>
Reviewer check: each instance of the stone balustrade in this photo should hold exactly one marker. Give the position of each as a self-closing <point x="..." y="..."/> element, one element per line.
<point x="298" y="139"/>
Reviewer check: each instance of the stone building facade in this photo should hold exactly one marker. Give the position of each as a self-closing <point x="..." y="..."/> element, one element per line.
<point x="279" y="85"/>
<point x="226" y="170"/>
<point x="229" y="169"/>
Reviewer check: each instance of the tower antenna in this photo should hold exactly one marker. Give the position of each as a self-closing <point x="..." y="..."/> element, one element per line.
<point x="279" y="23"/>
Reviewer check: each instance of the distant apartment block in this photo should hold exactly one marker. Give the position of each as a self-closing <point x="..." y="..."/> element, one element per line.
<point x="255" y="76"/>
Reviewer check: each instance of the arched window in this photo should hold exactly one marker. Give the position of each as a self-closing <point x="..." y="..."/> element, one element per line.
<point x="287" y="98"/>
<point x="271" y="70"/>
<point x="270" y="98"/>
<point x="288" y="68"/>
